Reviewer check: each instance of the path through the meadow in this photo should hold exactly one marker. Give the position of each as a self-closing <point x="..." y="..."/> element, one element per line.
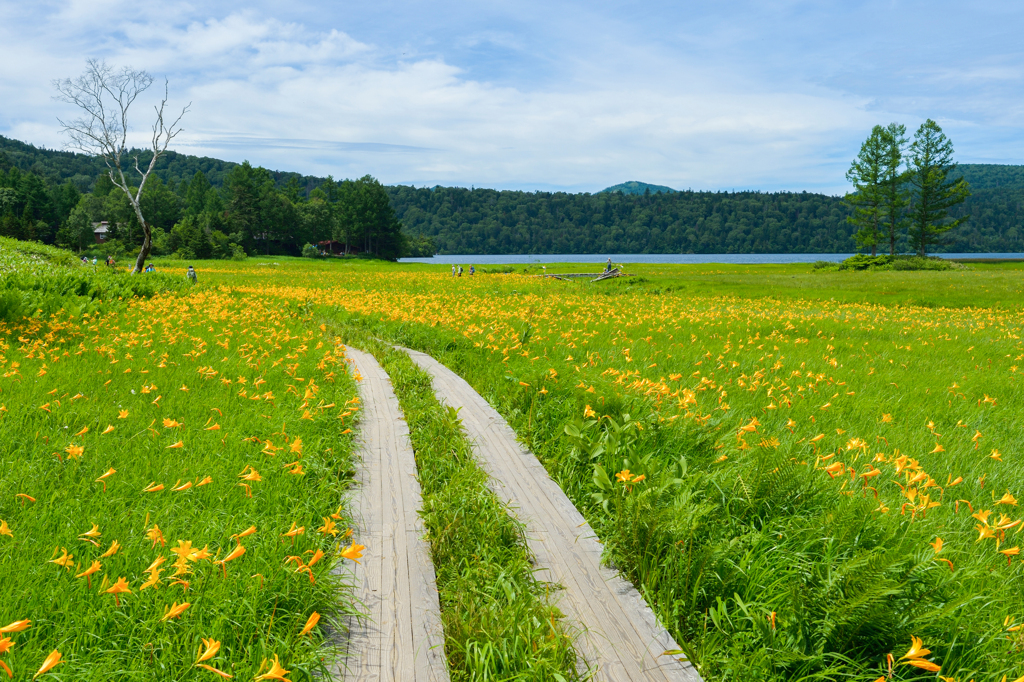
<point x="621" y="638"/>
<point x="400" y="638"/>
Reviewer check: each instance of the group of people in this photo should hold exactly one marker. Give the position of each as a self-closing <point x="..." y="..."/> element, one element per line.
<point x="190" y="274"/>
<point x="457" y="270"/>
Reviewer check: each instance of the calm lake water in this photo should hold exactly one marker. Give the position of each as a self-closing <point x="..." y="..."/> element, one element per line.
<point x="732" y="258"/>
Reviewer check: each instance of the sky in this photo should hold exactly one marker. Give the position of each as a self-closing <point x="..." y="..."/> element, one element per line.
<point x="557" y="95"/>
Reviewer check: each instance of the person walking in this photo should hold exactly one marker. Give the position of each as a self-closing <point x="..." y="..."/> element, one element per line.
<point x="460" y="271"/>
<point x="191" y="275"/>
<point x="472" y="270"/>
<point x="453" y="269"/>
<point x="608" y="265"/>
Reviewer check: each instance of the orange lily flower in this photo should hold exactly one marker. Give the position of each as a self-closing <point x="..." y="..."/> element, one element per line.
<point x="74" y="451"/>
<point x="183" y="486"/>
<point x="234" y="554"/>
<point x="293" y="532"/>
<point x="66" y="560"/>
<point x="245" y="533"/>
<point x="85" y="430"/>
<point x="156" y="535"/>
<point x="110" y="427"/>
<point x="49" y="664"/>
<point x="276" y="671"/>
<point x="328" y="527"/>
<point x="119" y="587"/>
<point x="110" y="472"/>
<point x="153" y="487"/>
<point x="123" y="414"/>
<point x="175" y="611"/>
<point x="179" y="444"/>
<point x="154" y="579"/>
<point x="90" y="534"/>
<point x="310" y="624"/>
<point x="212" y="647"/>
<point x="203" y="553"/>
<point x="16" y="626"/>
<point x="205" y="481"/>
<point x="354" y="552"/>
<point x="917" y="649"/>
<point x="5" y="529"/>
<point x="87" y="573"/>
<point x="317" y="556"/>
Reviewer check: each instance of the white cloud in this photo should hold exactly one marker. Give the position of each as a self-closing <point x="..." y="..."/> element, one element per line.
<point x="605" y="104"/>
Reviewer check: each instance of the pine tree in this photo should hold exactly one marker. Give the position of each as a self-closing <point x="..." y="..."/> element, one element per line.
<point x="865" y="175"/>
<point x="895" y="197"/>
<point x="933" y="193"/>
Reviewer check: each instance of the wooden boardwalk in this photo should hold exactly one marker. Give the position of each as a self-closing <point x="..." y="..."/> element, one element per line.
<point x="400" y="638"/>
<point x="621" y="638"/>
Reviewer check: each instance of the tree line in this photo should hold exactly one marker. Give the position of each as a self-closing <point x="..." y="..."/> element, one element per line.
<point x="247" y="211"/>
<point x="248" y="214"/>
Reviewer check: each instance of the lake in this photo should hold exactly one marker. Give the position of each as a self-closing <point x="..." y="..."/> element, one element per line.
<point x="685" y="258"/>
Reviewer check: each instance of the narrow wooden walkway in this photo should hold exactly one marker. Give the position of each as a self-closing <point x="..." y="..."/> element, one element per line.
<point x="400" y="638"/>
<point x="621" y="638"/>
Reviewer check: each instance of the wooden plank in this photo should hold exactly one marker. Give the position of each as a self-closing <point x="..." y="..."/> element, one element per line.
<point x="621" y="638"/>
<point x="398" y="636"/>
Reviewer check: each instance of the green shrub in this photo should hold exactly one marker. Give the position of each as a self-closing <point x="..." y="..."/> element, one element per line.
<point x="310" y="251"/>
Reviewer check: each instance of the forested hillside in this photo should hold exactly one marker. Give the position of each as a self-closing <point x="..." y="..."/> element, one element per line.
<point x="39" y="188"/>
<point x="488" y="221"/>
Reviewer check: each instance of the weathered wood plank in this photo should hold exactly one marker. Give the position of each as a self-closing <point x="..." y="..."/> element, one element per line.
<point x="621" y="638"/>
<point x="399" y="637"/>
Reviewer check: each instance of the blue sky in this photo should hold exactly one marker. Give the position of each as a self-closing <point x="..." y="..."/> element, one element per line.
<point x="575" y="96"/>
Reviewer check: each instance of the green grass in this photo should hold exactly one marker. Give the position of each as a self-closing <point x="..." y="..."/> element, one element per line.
<point x="759" y="525"/>
<point x="498" y="623"/>
<point x="883" y="366"/>
<point x="226" y="379"/>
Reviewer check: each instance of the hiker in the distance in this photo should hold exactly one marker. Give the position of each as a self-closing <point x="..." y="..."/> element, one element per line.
<point x="472" y="270"/>
<point x="453" y="269"/>
<point x="608" y="265"/>
<point x="191" y="275"/>
<point x="460" y="271"/>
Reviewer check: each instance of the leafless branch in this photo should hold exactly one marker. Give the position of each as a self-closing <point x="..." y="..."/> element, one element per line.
<point x="104" y="97"/>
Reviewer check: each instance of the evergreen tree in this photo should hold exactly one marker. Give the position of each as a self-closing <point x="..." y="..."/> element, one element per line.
<point x="867" y="199"/>
<point x="195" y="195"/>
<point x="894" y="183"/>
<point x="933" y="191"/>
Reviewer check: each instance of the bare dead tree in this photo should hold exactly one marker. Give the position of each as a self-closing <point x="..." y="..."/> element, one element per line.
<point x="105" y="96"/>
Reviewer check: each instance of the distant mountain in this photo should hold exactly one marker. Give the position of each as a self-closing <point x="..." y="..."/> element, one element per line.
<point x="634" y="187"/>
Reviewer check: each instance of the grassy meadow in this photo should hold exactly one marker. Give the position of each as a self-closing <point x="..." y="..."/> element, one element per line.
<point x="802" y="471"/>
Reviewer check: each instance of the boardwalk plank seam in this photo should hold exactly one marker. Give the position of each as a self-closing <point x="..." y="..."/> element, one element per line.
<point x="400" y="636"/>
<point x="621" y="638"/>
